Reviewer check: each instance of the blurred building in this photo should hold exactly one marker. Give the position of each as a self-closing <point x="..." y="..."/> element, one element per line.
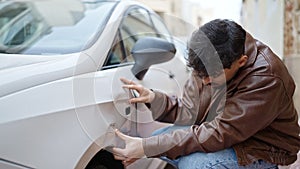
<point x="277" y="23"/>
<point x="264" y="19"/>
<point x="292" y="28"/>
<point x="184" y="16"/>
<point x="171" y="12"/>
<point x="292" y="44"/>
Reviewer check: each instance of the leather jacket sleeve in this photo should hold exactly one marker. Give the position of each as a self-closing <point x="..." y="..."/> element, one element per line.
<point x="246" y="111"/>
<point x="185" y="110"/>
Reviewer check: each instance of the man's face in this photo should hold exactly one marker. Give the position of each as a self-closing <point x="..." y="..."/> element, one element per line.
<point x="226" y="74"/>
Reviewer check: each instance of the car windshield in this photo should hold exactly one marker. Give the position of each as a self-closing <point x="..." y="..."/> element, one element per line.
<point x="51" y="26"/>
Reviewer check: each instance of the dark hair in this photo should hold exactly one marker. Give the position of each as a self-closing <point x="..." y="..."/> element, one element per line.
<point x="215" y="46"/>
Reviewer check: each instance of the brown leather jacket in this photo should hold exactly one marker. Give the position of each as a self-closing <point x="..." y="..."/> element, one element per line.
<point x="254" y="113"/>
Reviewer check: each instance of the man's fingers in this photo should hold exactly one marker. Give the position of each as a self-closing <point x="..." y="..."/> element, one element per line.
<point x="131" y="160"/>
<point x="121" y="135"/>
<point x="119" y="157"/>
<point x="139" y="100"/>
<point x="132" y="86"/>
<point x="126" y="81"/>
<point x="127" y="162"/>
<point x="118" y="152"/>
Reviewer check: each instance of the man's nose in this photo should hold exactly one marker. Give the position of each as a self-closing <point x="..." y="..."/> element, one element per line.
<point x="206" y="80"/>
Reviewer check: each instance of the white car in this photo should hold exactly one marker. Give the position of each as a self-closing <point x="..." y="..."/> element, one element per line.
<point x="60" y="93"/>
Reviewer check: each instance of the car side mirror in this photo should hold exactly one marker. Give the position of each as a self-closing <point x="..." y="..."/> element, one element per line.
<point x="149" y="51"/>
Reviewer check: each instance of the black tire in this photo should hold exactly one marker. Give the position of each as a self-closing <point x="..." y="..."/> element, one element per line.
<point x="104" y="160"/>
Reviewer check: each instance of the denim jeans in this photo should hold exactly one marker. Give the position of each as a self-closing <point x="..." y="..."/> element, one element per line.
<point x="224" y="159"/>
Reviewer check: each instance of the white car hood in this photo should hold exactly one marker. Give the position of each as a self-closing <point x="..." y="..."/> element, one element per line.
<point x="12" y="61"/>
<point x="18" y="72"/>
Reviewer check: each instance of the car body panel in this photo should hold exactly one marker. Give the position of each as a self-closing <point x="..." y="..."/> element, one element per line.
<point x="57" y="109"/>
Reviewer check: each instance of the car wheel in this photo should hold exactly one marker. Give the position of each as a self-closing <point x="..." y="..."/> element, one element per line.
<point x="104" y="160"/>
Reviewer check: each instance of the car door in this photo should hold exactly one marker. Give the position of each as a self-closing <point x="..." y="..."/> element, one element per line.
<point x="138" y="23"/>
<point x="105" y="89"/>
<point x="135" y="25"/>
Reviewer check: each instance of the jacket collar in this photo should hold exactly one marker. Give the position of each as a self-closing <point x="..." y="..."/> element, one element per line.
<point x="250" y="50"/>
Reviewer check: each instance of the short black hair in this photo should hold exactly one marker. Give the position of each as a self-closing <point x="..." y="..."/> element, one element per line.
<point x="215" y="46"/>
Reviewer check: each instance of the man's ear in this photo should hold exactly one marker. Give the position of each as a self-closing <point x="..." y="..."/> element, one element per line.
<point x="242" y="60"/>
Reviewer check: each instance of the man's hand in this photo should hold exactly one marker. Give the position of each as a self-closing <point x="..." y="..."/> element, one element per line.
<point x="146" y="95"/>
<point x="133" y="149"/>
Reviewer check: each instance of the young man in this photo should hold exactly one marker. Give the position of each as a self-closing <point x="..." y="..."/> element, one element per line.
<point x="238" y="103"/>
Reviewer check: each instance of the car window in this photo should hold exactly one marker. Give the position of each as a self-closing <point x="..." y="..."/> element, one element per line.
<point x="33" y="28"/>
<point x="135" y="25"/>
<point x="116" y="54"/>
<point x="161" y="28"/>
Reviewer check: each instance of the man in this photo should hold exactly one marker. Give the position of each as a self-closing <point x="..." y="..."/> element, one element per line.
<point x="238" y="103"/>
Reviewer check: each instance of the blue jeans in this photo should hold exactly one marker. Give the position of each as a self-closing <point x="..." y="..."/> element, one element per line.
<point x="224" y="159"/>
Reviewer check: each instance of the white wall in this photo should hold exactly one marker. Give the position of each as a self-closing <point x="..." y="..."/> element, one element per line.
<point x="264" y="19"/>
<point x="211" y="9"/>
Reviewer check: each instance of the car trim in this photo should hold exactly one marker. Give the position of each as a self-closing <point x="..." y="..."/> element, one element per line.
<point x="92" y="42"/>
<point x="15" y="163"/>
<point x="117" y="65"/>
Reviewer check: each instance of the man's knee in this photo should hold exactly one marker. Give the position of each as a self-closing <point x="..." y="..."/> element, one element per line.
<point x="209" y="160"/>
